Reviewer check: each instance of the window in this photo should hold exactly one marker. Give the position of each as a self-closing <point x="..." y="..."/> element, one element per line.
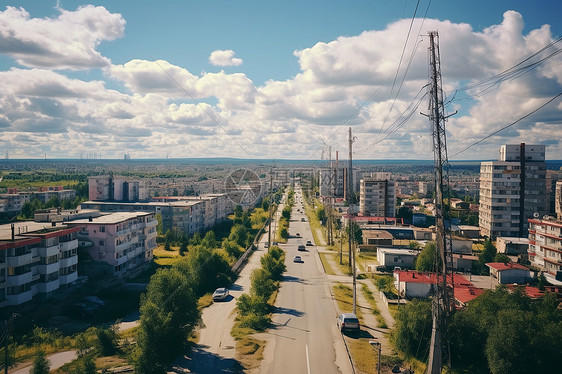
<point x="101" y="243"/>
<point x="102" y="228"/>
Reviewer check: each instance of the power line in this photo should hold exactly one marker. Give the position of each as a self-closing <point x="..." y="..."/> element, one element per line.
<point x="511" y="124"/>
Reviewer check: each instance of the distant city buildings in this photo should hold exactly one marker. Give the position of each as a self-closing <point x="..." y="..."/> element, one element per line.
<point x="13" y="201"/>
<point x="116" y="188"/>
<point x="558" y="199"/>
<point x="512" y="190"/>
<point x="377" y="195"/>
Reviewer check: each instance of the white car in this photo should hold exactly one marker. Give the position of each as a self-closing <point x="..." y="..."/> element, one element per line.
<point x="348" y="321"/>
<point x="220" y="294"/>
<point x="297" y="259"/>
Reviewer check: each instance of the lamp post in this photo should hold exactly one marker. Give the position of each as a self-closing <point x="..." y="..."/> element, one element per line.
<point x="377" y="345"/>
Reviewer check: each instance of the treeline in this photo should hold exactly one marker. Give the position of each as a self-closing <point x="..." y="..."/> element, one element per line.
<point x="283" y="228"/>
<point x="499" y="332"/>
<point x="254" y="307"/>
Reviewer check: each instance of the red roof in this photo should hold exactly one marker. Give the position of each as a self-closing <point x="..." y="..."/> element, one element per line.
<point x="430" y="278"/>
<point x="466" y="294"/>
<point x="532" y="292"/>
<point x="499" y="266"/>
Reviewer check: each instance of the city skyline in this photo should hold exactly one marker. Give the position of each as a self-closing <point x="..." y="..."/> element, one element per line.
<point x="252" y="80"/>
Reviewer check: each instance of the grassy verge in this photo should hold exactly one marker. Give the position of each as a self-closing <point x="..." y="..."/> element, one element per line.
<point x="361" y="351"/>
<point x="376" y="311"/>
<point x="326" y="263"/>
<point x="314" y="224"/>
<point x="249" y="350"/>
<point x="204" y="301"/>
<point x="166" y="258"/>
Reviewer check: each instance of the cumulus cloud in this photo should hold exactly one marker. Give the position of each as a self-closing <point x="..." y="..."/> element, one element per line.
<point x="66" y="42"/>
<point x="224" y="58"/>
<point x="348" y="82"/>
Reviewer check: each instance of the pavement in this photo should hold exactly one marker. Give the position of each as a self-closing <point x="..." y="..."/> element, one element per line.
<point x="56" y="360"/>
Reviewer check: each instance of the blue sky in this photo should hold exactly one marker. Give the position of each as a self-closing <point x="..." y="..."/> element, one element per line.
<point x="263" y="79"/>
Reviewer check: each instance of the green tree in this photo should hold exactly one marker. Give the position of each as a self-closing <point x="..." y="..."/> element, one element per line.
<point x="106" y="341"/>
<point x="357" y="233"/>
<point x="321" y="214"/>
<point x="502" y="257"/>
<point x="487" y="255"/>
<point x="209" y="240"/>
<point x="412" y="328"/>
<point x="88" y="365"/>
<point x="159" y="227"/>
<point x="168" y="315"/>
<point x="273" y="262"/>
<point x="286" y="213"/>
<point x="183" y="248"/>
<point x="40" y="363"/>
<point x="239" y="235"/>
<point x="238" y="211"/>
<point x="232" y="248"/>
<point x="405" y="213"/>
<point x="261" y="283"/>
<point x="428" y="258"/>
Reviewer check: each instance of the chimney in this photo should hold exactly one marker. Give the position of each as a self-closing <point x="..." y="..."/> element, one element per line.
<point x="90" y="219"/>
<point x="13" y="232"/>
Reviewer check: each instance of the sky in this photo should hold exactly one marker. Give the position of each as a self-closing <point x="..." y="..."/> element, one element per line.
<point x="276" y="79"/>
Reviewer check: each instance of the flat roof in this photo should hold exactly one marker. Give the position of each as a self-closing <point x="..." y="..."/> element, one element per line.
<point x="509" y="266"/>
<point x="149" y="203"/>
<point x="26" y="227"/>
<point x="110" y="218"/>
<point x="397" y="251"/>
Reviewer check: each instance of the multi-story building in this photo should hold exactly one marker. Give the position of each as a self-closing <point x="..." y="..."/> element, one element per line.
<point x="185" y="214"/>
<point x="512" y="190"/>
<point x="545" y="244"/>
<point x="377" y="195"/>
<point x="333" y="180"/>
<point x="124" y="241"/>
<point x="558" y="200"/>
<point x="116" y="188"/>
<point x="36" y="259"/>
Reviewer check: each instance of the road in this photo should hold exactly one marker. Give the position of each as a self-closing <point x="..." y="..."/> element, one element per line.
<point x="215" y="351"/>
<point x="56" y="360"/>
<point x="304" y="338"/>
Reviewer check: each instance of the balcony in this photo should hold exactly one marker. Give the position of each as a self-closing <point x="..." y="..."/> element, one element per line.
<point x="48" y="251"/>
<point x="19" y="280"/>
<point x="48" y="286"/>
<point x="68" y="278"/>
<point x="69" y="261"/>
<point x="67" y="246"/>
<point x="19" y="298"/>
<point x="48" y="269"/>
<point x="16" y="261"/>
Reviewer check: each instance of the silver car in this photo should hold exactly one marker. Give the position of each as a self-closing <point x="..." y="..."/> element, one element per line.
<point x="220" y="294"/>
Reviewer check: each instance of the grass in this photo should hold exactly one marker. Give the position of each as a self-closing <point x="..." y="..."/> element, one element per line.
<point x="376" y="311"/>
<point x="205" y="301"/>
<point x="249" y="350"/>
<point x="166" y="258"/>
<point x="314" y="223"/>
<point x="326" y="263"/>
<point x="344" y="298"/>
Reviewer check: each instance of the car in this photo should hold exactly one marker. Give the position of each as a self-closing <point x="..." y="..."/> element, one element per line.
<point x="309" y="243"/>
<point x="274" y="243"/>
<point x="266" y="245"/>
<point x="301" y="247"/>
<point x="298" y="235"/>
<point x="297" y="259"/>
<point x="348" y="321"/>
<point x="303" y="220"/>
<point x="220" y="294"/>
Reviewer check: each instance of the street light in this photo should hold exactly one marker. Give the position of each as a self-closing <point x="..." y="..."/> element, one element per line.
<point x="376" y="345"/>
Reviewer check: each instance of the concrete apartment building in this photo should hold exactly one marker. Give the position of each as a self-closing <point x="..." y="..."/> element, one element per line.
<point x="186" y="214"/>
<point x="122" y="241"/>
<point x="545" y="244"/>
<point x="116" y="188"/>
<point x="12" y="202"/>
<point x="558" y="200"/>
<point x="377" y="196"/>
<point x="512" y="190"/>
<point x="36" y="259"/>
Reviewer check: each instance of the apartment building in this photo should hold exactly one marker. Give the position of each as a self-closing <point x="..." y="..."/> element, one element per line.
<point x="377" y="196"/>
<point x="13" y="202"/>
<point x="36" y="259"/>
<point x="512" y="190"/>
<point x="186" y="214"/>
<point x="558" y="200"/>
<point x="545" y="244"/>
<point x="117" y="188"/>
<point x="124" y="241"/>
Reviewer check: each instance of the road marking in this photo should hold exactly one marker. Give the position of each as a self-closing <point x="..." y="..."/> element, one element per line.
<point x="307" y="360"/>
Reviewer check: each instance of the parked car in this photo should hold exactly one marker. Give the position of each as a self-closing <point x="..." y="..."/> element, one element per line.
<point x="309" y="243"/>
<point x="297" y="259"/>
<point x="301" y="248"/>
<point x="266" y="245"/>
<point x="298" y="235"/>
<point x="348" y="321"/>
<point x="220" y="294"/>
<point x="303" y="220"/>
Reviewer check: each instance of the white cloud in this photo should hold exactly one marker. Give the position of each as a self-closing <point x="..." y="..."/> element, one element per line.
<point x="224" y="58"/>
<point x="66" y="42"/>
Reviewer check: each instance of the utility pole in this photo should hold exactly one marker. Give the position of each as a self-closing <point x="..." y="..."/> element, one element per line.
<point x="441" y="305"/>
<point x="350" y="221"/>
<point x="270" y="205"/>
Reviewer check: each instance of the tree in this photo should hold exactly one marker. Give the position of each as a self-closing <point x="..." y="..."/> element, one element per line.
<point x="232" y="248"/>
<point x="183" y="248"/>
<point x="428" y="258"/>
<point x="357" y="233"/>
<point x="159" y="227"/>
<point x="239" y="235"/>
<point x="40" y="363"/>
<point x="405" y="213"/>
<point x="238" y="211"/>
<point x="261" y="283"/>
<point x="273" y="262"/>
<point x="321" y="214"/>
<point x="195" y="239"/>
<point x="209" y="240"/>
<point x="412" y="328"/>
<point x="106" y="341"/>
<point x="88" y="365"/>
<point x="168" y="315"/>
<point x="502" y="257"/>
<point x="488" y="254"/>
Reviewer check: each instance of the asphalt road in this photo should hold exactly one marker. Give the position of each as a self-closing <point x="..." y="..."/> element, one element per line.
<point x="215" y="351"/>
<point x="304" y="337"/>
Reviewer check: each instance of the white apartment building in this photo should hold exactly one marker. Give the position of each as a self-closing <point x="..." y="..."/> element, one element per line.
<point x="125" y="241"/>
<point x="36" y="259"/>
<point x="512" y="190"/>
<point x="377" y="195"/>
<point x="558" y="199"/>
<point x="545" y="244"/>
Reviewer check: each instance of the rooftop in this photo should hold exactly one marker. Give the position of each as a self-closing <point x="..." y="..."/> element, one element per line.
<point x="110" y="218"/>
<point x="500" y="266"/>
<point x="466" y="294"/>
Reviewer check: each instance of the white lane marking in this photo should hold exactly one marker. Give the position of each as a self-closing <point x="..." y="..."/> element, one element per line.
<point x="307" y="360"/>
